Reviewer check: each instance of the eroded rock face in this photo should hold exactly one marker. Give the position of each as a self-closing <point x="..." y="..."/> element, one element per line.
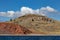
<point x="12" y="28"/>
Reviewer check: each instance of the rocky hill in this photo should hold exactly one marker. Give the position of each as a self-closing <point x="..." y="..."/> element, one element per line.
<point x="12" y="28"/>
<point x="38" y="24"/>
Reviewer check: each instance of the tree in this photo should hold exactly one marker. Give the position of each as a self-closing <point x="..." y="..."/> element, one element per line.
<point x="10" y="19"/>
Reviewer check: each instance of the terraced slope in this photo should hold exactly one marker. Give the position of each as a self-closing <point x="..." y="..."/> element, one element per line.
<point x="38" y="24"/>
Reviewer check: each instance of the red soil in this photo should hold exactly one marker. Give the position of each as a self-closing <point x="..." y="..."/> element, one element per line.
<point x="12" y="28"/>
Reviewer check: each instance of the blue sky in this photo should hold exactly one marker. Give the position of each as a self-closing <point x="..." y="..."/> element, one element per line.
<point x="6" y="5"/>
<point x="15" y="5"/>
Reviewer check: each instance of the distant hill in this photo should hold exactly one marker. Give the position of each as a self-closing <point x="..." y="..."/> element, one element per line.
<point x="38" y="24"/>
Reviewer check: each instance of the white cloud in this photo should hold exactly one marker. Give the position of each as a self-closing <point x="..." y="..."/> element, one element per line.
<point x="10" y="13"/>
<point x="48" y="8"/>
<point x="41" y="11"/>
<point x="2" y="13"/>
<point x="7" y="14"/>
<point x="27" y="10"/>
